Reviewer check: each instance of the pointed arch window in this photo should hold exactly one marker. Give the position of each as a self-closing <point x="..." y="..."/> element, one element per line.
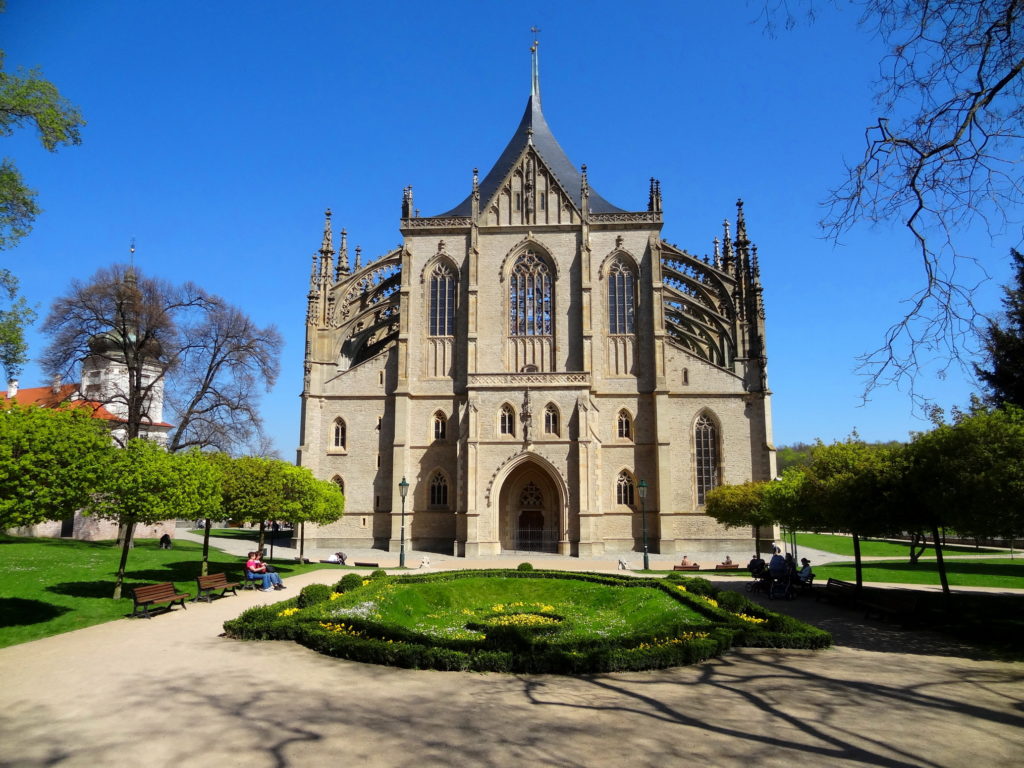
<point x="440" y="426"/>
<point x="507" y="420"/>
<point x="340" y="434"/>
<point x="438" y="490"/>
<point x="442" y="301"/>
<point x="551" y="420"/>
<point x="530" y="297"/>
<point x="625" y="489"/>
<point x="706" y="455"/>
<point x="339" y="482"/>
<point x="621" y="298"/>
<point x="624" y="425"/>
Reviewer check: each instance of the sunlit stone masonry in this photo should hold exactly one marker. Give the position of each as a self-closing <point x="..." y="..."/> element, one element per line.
<point x="545" y="371"/>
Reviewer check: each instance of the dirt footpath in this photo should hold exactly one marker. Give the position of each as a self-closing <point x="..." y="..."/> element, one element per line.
<point x="170" y="692"/>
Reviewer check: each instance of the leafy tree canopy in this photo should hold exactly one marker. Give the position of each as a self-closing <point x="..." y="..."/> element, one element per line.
<point x="15" y="315"/>
<point x="51" y="461"/>
<point x="1003" y="343"/>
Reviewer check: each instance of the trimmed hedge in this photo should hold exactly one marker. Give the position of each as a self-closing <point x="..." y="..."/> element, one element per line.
<point x="349" y="581"/>
<point x="525" y="649"/>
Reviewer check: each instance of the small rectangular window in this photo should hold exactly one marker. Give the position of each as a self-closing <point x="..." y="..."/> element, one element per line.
<point x="519" y="201"/>
<point x="378" y="461"/>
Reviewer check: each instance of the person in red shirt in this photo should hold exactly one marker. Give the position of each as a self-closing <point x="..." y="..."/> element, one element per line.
<point x="256" y="568"/>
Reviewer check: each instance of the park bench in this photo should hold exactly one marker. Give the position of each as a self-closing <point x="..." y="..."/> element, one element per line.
<point x="366" y="565"/>
<point x="730" y="567"/>
<point x="156" y="594"/>
<point x="694" y="567"/>
<point x="839" y="592"/>
<point x="206" y="585"/>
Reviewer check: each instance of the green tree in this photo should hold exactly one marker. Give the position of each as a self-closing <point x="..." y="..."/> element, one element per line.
<point x="1004" y="344"/>
<point x="13" y="320"/>
<point x="737" y="506"/>
<point x="27" y="99"/>
<point x="51" y="461"/>
<point x="146" y="485"/>
<point x="970" y="476"/>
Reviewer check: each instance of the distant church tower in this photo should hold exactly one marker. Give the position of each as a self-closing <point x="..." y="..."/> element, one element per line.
<point x="541" y="366"/>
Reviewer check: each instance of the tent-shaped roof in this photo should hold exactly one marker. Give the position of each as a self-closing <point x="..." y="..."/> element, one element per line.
<point x="533" y="129"/>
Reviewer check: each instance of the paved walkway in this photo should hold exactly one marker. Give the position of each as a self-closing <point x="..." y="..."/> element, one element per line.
<point x="171" y="692"/>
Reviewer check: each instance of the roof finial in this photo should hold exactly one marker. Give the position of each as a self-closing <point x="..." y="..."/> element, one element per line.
<point x="131" y="253"/>
<point x="535" y="66"/>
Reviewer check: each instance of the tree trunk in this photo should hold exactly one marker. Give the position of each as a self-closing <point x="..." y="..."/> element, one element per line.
<point x="206" y="549"/>
<point x="129" y="529"/>
<point x="917" y="539"/>
<point x="856" y="562"/>
<point x="302" y="541"/>
<point x="263" y="537"/>
<point x="942" y="565"/>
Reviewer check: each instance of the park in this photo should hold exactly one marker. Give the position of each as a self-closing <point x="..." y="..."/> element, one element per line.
<point x="538" y="483"/>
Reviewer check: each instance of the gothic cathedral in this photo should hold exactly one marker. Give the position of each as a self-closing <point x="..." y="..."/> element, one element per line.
<point x="541" y="367"/>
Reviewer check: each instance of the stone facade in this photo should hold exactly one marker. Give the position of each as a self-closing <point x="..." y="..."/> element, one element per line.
<point x="525" y="360"/>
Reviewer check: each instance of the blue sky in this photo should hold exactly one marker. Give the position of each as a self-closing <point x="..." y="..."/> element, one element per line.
<point x="219" y="132"/>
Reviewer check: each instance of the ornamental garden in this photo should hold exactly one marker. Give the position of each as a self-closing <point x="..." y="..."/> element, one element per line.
<point x="523" y="621"/>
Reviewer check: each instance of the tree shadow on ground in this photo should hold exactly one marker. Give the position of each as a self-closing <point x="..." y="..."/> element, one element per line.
<point x="19" y="612"/>
<point x="954" y="568"/>
<point x="98" y="589"/>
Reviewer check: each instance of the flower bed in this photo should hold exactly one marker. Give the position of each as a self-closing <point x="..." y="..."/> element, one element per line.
<point x="523" y="621"/>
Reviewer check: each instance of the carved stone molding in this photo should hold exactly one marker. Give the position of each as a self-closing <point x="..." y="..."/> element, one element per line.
<point x="642" y="217"/>
<point x="573" y="379"/>
<point x="437" y="222"/>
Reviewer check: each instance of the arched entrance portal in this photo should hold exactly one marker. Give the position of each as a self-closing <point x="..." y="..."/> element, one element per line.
<point x="530" y="510"/>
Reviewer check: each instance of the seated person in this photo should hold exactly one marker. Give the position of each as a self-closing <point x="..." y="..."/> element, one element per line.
<point x="623" y="565"/>
<point x="255" y="568"/>
<point x="756" y="565"/>
<point x="728" y="560"/>
<point x="165" y="541"/>
<point x="805" y="574"/>
<point x="686" y="560"/>
<point x="425" y="562"/>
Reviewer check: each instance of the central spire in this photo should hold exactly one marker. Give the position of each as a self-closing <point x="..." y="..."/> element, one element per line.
<point x="535" y="66"/>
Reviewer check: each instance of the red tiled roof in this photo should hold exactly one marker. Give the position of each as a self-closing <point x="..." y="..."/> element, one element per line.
<point x="62" y="397"/>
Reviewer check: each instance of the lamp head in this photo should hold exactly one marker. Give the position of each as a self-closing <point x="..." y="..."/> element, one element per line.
<point x="403" y="488"/>
<point x="642" y="488"/>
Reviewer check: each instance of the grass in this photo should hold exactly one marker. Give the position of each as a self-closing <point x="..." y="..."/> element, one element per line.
<point x="843" y="545"/>
<point x="996" y="572"/>
<point x="443" y="608"/>
<point x="52" y="586"/>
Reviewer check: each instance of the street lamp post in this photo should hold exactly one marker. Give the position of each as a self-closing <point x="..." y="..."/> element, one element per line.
<point x="642" y="489"/>
<point x="403" y="490"/>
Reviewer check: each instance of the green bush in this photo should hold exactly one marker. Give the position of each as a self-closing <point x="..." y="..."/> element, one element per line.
<point x="348" y="582"/>
<point x="696" y="585"/>
<point x="313" y="594"/>
<point x="524" y="567"/>
<point x="380" y="573"/>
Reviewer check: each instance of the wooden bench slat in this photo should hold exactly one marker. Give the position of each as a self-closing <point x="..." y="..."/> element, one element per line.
<point x="156" y="594"/>
<point x="205" y="586"/>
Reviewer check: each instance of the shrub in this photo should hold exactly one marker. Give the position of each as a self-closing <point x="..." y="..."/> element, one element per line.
<point x="349" y="581"/>
<point x="313" y="594"/>
<point x="524" y="567"/>
<point x="380" y="573"/>
<point x="695" y="585"/>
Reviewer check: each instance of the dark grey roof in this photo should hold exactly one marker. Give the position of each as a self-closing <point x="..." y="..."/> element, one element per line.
<point x="534" y="127"/>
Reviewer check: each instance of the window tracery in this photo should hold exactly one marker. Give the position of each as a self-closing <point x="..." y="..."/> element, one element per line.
<point x="440" y="426"/>
<point x="551" y="420"/>
<point x="706" y="455"/>
<point x="625" y="425"/>
<point x="442" y="301"/>
<point x="340" y="434"/>
<point x="624" y="489"/>
<point x="531" y="304"/>
<point x="621" y="299"/>
<point x="439" y="490"/>
<point x="507" y="420"/>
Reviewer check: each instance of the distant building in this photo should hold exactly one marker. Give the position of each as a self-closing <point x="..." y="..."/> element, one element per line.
<point x="104" y="377"/>
<point x="531" y="361"/>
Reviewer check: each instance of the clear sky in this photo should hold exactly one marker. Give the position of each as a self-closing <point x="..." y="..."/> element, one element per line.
<point x="218" y="132"/>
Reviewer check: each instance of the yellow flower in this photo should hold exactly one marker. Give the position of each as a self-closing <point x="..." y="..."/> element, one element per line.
<point x="336" y="595"/>
<point x="752" y="619"/>
<point x="680" y="587"/>
<point x="711" y="601"/>
<point x="288" y="612"/>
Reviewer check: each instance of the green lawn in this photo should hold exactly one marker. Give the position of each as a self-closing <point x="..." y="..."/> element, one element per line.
<point x="52" y="586"/>
<point x="995" y="572"/>
<point x="843" y="545"/>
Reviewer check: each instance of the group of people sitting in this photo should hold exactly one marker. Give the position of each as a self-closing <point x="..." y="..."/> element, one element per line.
<point x="781" y="568"/>
<point x="255" y="568"/>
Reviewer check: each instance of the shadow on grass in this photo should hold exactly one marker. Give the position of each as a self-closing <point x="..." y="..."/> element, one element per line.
<point x="19" y="612"/>
<point x="1011" y="568"/>
<point x="92" y="589"/>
